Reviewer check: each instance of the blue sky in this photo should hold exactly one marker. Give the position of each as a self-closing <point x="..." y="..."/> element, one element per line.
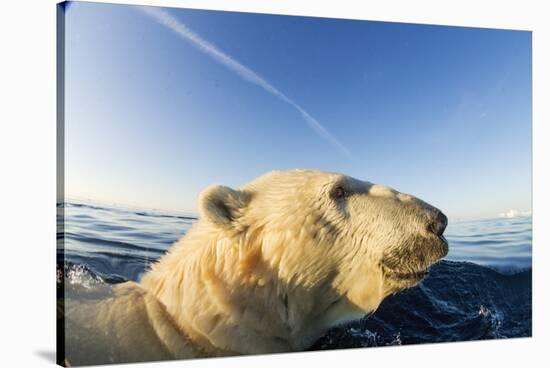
<point x="152" y="116"/>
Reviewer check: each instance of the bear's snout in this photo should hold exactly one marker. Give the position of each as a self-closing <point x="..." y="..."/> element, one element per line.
<point x="437" y="222"/>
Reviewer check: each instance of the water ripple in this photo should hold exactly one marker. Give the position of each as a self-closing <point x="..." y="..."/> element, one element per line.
<point x="481" y="291"/>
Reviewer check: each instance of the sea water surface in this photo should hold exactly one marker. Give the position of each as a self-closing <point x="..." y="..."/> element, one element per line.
<point x="481" y="290"/>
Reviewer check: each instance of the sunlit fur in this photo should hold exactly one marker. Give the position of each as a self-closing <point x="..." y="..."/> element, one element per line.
<point x="271" y="266"/>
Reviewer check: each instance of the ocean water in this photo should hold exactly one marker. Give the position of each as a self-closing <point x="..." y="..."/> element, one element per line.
<point x="481" y="290"/>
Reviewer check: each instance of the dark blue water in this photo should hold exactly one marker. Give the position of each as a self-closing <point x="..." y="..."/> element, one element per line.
<point x="482" y="290"/>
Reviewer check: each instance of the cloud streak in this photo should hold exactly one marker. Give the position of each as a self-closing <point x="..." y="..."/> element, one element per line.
<point x="185" y="33"/>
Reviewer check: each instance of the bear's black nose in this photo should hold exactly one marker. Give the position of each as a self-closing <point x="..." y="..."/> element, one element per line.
<point x="438" y="223"/>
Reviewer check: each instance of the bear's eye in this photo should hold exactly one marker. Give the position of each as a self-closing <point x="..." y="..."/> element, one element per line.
<point x="338" y="193"/>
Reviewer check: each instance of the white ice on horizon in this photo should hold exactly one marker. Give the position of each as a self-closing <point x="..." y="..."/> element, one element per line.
<point x="514" y="213"/>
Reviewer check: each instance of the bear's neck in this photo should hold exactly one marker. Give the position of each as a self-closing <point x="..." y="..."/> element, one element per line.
<point x="227" y="300"/>
<point x="219" y="298"/>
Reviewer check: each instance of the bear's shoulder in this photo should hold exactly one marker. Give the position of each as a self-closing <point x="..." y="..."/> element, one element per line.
<point x="111" y="330"/>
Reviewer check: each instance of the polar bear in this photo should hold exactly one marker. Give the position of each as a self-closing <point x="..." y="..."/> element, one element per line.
<point x="268" y="268"/>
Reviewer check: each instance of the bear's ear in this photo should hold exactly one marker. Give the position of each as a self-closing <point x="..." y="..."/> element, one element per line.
<point x="222" y="205"/>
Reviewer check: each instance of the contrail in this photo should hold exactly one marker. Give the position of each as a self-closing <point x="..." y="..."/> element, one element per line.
<point x="167" y="20"/>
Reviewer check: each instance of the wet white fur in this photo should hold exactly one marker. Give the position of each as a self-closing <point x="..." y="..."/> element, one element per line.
<point x="271" y="266"/>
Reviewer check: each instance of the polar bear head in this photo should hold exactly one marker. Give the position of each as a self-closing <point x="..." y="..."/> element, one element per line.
<point x="331" y="246"/>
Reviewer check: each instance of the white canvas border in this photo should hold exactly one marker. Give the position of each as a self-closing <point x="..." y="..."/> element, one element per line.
<point x="27" y="151"/>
